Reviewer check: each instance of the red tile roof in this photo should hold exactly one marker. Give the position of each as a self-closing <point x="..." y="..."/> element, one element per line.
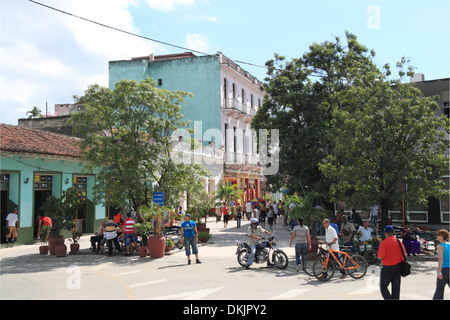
<point x="24" y="140"/>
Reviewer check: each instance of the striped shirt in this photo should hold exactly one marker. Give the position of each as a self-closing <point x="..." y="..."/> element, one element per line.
<point x="128" y="226"/>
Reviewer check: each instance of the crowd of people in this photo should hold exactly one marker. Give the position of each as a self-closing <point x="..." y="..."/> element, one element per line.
<point x="262" y="211"/>
<point x="114" y="231"/>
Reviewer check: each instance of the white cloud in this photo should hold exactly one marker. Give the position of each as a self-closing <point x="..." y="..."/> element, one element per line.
<point x="197" y="42"/>
<point x="46" y="56"/>
<point x="210" y="19"/>
<point x="167" y="5"/>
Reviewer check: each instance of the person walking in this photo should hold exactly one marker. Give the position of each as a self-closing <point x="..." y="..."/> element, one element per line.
<point x="390" y="253"/>
<point x="12" y="223"/>
<point x="374" y="212"/>
<point x="302" y="242"/>
<point x="226" y="216"/>
<point x="189" y="235"/>
<point x="248" y="209"/>
<point x="238" y="214"/>
<point x="443" y="269"/>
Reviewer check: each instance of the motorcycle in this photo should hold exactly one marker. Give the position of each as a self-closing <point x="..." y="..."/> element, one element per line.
<point x="263" y="253"/>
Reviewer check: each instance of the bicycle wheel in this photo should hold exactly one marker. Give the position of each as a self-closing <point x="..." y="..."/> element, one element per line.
<point x="243" y="257"/>
<point x="361" y="266"/>
<point x="280" y="259"/>
<point x="323" y="269"/>
<point x="308" y="263"/>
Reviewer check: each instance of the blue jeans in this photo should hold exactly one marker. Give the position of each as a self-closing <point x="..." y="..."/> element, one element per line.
<point x="252" y="254"/>
<point x="300" y="249"/>
<point x="188" y="242"/>
<point x="129" y="237"/>
<point x="374" y="221"/>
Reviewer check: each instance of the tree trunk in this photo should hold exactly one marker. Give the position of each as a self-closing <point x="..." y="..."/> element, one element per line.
<point x="384" y="203"/>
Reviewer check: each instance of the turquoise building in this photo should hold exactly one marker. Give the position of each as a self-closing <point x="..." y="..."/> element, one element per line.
<point x="225" y="98"/>
<point x="184" y="72"/>
<point x="36" y="164"/>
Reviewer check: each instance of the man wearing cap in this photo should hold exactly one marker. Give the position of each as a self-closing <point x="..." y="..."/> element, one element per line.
<point x="189" y="235"/>
<point x="391" y="255"/>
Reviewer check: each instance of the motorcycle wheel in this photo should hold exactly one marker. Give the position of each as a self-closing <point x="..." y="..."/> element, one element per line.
<point x="280" y="259"/>
<point x="242" y="257"/>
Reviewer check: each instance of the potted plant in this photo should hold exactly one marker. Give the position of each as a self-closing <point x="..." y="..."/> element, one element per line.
<point x="75" y="246"/>
<point x="169" y="244"/>
<point x="157" y="242"/>
<point x="204" y="236"/>
<point x="43" y="248"/>
<point x="62" y="211"/>
<point x="143" y="230"/>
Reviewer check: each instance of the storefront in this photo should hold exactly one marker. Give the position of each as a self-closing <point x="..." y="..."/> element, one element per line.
<point x="29" y="174"/>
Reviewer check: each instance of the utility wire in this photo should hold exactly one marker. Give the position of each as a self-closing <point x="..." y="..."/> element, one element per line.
<point x="138" y="35"/>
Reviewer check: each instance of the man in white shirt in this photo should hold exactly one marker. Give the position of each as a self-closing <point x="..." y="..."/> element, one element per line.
<point x="248" y="209"/>
<point x="12" y="222"/>
<point x="374" y="215"/>
<point x="332" y="237"/>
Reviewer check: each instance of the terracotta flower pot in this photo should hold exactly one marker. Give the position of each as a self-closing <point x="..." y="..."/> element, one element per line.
<point x="74" y="247"/>
<point x="143" y="251"/>
<point x="43" y="250"/>
<point x="53" y="241"/>
<point x="156" y="246"/>
<point x="60" y="250"/>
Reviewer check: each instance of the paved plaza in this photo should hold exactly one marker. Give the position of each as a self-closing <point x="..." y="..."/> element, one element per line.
<point x="27" y="275"/>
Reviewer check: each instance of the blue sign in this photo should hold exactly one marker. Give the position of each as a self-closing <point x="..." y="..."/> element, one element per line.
<point x="158" y="198"/>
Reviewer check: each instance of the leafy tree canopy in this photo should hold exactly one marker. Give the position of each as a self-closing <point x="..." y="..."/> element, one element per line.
<point x="127" y="142"/>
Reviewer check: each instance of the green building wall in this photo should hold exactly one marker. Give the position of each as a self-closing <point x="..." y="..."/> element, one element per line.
<point x="197" y="75"/>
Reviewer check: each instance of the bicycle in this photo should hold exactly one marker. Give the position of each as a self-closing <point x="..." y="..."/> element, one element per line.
<point x="312" y="257"/>
<point x="324" y="267"/>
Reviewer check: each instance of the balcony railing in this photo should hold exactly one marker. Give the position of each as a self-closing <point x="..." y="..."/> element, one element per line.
<point x="238" y="106"/>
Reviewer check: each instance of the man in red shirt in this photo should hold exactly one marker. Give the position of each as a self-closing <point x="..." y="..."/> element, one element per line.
<point x="129" y="232"/>
<point x="391" y="255"/>
<point x="45" y="226"/>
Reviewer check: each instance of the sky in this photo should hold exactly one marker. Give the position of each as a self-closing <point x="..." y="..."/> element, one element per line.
<point x="47" y="57"/>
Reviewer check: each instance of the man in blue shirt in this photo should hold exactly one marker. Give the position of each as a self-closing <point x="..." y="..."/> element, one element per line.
<point x="189" y="235"/>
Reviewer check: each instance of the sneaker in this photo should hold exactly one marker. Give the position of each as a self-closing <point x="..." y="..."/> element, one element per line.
<point x="189" y="261"/>
<point x="247" y="266"/>
<point x="299" y="267"/>
<point x="198" y="261"/>
<point x="344" y="275"/>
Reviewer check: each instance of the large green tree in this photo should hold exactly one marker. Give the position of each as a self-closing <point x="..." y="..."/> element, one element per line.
<point x="127" y="142"/>
<point x="389" y="142"/>
<point x="300" y="104"/>
<point x="350" y="130"/>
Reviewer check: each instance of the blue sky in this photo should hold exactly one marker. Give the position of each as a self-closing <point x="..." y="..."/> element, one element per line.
<point x="47" y="57"/>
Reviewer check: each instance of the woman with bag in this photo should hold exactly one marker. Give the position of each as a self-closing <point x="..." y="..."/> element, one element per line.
<point x="392" y="254"/>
